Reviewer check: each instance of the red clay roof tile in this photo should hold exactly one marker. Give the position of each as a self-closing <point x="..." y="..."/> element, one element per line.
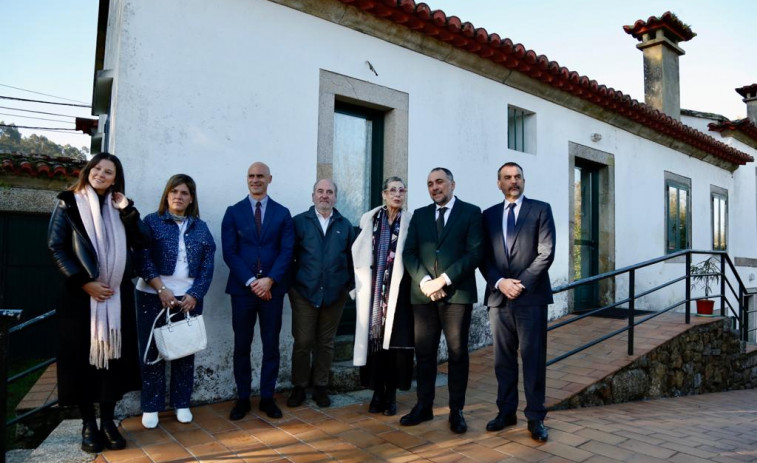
<point x="419" y="17"/>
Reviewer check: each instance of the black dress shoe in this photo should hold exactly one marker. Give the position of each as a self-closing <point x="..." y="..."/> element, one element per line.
<point x="457" y="423"/>
<point x="91" y="438"/>
<point x="417" y="415"/>
<point x="241" y="407"/>
<point x="112" y="439"/>
<point x="296" y="397"/>
<point x="321" y="396"/>
<point x="538" y="430"/>
<point x="390" y="408"/>
<point x="270" y="408"/>
<point x="502" y="421"/>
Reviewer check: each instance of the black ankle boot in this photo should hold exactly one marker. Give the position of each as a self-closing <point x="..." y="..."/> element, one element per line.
<point x="377" y="403"/>
<point x="91" y="438"/>
<point x="112" y="439"/>
<point x="390" y="403"/>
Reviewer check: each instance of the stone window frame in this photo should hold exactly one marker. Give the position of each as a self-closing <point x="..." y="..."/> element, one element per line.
<point x="393" y="103"/>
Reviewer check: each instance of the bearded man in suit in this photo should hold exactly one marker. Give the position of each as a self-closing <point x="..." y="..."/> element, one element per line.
<point x="519" y="245"/>
<point x="442" y="251"/>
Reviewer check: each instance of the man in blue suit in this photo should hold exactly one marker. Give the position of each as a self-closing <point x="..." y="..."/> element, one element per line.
<point x="519" y="241"/>
<point x="257" y="236"/>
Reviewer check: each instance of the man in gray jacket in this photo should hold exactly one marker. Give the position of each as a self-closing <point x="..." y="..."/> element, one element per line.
<point x="323" y="276"/>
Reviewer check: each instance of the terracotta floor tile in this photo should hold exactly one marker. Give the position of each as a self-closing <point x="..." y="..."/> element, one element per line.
<point x="170" y="451"/>
<point x="236" y="439"/>
<point x="302" y="453"/>
<point x="121" y="456"/>
<point x="193" y="437"/>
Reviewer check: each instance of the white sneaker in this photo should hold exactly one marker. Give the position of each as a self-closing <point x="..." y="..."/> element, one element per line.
<point x="183" y="415"/>
<point x="150" y="420"/>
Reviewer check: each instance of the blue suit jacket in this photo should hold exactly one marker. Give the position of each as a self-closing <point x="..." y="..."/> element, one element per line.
<point x="529" y="261"/>
<point x="243" y="248"/>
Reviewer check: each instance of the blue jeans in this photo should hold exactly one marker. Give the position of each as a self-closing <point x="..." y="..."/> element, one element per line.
<point x="154" y="376"/>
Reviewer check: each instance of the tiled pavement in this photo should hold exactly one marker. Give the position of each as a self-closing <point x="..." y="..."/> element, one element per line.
<point x="713" y="427"/>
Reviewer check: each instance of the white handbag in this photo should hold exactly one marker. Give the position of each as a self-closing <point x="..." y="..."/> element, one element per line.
<point x="177" y="339"/>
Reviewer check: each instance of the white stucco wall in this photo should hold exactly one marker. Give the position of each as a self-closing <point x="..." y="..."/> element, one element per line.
<point x="206" y="88"/>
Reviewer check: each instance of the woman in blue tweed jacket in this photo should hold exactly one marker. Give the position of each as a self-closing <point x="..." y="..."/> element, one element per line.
<point x="175" y="270"/>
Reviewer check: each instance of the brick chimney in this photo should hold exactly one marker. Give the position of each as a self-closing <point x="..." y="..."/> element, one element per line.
<point x="659" y="37"/>
<point x="750" y="98"/>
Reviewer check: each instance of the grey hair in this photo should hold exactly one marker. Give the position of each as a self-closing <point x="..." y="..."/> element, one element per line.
<point x="336" y="190"/>
<point x="393" y="179"/>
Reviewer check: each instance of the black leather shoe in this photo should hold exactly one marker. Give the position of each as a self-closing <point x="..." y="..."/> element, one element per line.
<point x="91" y="438"/>
<point x="241" y="407"/>
<point x="112" y="439"/>
<point x="538" y="430"/>
<point x="377" y="404"/>
<point x="502" y="421"/>
<point x="296" y="397"/>
<point x="457" y="423"/>
<point x="390" y="408"/>
<point x="321" y="396"/>
<point x="417" y="415"/>
<point x="270" y="408"/>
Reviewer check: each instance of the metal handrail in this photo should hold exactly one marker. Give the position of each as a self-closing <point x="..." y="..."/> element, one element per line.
<point x="739" y="313"/>
<point x="5" y="317"/>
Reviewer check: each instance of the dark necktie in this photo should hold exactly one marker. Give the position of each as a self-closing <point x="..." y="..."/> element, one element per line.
<point x="258" y="217"/>
<point x="510" y="238"/>
<point x="440" y="222"/>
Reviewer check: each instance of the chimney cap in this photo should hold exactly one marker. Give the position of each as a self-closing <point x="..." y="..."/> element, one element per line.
<point x="669" y="22"/>
<point x="749" y="92"/>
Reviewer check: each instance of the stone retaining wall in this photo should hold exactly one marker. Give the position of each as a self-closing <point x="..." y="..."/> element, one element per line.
<point x="705" y="358"/>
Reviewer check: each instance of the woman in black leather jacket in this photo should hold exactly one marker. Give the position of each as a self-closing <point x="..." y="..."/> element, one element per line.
<point x="92" y="231"/>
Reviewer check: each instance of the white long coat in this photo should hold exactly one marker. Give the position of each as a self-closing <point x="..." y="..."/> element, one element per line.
<point x="362" y="257"/>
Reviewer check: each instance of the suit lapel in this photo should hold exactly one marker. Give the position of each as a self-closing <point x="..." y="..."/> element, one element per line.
<point x="452" y="218"/>
<point x="497" y="237"/>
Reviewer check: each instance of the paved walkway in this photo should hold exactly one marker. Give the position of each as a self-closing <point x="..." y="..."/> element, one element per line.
<point x="713" y="427"/>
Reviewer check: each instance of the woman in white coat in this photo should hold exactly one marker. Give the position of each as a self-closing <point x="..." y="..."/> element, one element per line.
<point x="384" y="324"/>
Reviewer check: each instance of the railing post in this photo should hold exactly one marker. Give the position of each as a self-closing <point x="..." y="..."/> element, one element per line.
<point x="631" y="308"/>
<point x="688" y="287"/>
<point x="722" y="286"/>
<point x="742" y="313"/>
<point x="5" y="317"/>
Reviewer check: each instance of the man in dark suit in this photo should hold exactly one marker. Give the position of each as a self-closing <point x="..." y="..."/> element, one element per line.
<point x="258" y="241"/>
<point x="519" y="247"/>
<point x="442" y="252"/>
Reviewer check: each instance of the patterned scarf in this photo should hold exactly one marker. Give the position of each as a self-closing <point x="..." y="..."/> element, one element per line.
<point x="384" y="249"/>
<point x="108" y="236"/>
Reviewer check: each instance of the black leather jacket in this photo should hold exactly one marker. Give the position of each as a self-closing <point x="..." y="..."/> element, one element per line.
<point x="70" y="247"/>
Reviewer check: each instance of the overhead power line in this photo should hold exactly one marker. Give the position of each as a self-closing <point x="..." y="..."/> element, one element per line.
<point x="35" y="112"/>
<point x="52" y="129"/>
<point x="32" y="117"/>
<point x="45" y="102"/>
<point x="40" y="93"/>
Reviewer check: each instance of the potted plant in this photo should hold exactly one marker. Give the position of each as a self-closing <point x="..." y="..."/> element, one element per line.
<point x="703" y="275"/>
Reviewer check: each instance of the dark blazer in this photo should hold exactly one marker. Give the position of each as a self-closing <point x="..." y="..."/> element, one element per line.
<point x="323" y="263"/>
<point x="532" y="254"/>
<point x="242" y="248"/>
<point x="457" y="252"/>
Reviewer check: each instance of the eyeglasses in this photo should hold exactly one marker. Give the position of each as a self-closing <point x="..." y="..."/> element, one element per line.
<point x="393" y="191"/>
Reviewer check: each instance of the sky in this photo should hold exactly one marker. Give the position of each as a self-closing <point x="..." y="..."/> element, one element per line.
<point x="53" y="49"/>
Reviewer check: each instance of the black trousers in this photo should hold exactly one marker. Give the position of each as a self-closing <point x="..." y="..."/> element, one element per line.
<point x="521" y="329"/>
<point x="430" y="321"/>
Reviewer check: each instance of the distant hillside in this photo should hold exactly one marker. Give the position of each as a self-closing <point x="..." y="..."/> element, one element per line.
<point x="12" y="140"/>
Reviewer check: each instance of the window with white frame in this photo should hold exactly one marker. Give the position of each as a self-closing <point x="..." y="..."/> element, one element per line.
<point x="521" y="130"/>
<point x="677" y="212"/>
<point x="719" y="208"/>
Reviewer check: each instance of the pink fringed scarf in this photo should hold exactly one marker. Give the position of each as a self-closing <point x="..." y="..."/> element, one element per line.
<point x="107" y="234"/>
